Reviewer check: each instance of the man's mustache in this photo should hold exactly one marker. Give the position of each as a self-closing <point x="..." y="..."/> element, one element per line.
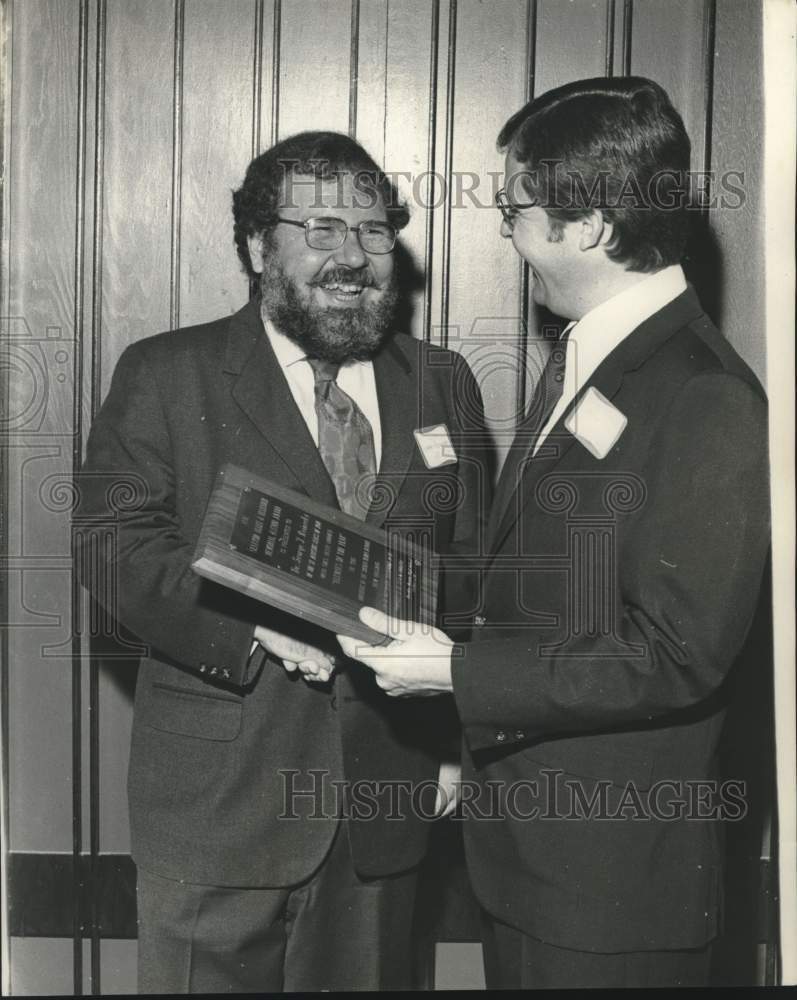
<point x="341" y="275"/>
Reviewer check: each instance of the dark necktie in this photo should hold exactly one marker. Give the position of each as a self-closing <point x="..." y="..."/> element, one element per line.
<point x="345" y="439"/>
<point x="547" y="394"/>
<point x="548" y="390"/>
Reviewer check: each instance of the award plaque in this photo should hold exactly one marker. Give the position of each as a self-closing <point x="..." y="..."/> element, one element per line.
<point x="311" y="560"/>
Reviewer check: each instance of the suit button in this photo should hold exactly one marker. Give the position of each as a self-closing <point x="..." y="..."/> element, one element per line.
<point x="500" y="736"/>
<point x="479" y="621"/>
<point x="225" y="673"/>
<point x="520" y="735"/>
<point x="202" y="668"/>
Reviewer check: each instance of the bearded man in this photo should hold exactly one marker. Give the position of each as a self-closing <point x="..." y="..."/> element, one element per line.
<point x="255" y="872"/>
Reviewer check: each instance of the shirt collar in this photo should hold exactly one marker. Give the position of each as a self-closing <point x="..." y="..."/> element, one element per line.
<point x="287" y="351"/>
<point x="604" y="327"/>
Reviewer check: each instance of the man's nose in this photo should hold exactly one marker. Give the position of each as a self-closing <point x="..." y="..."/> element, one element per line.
<point x="506" y="229"/>
<point x="350" y="252"/>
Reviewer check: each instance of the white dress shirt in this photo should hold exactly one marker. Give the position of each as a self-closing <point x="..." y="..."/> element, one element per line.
<point x="355" y="378"/>
<point x="593" y="338"/>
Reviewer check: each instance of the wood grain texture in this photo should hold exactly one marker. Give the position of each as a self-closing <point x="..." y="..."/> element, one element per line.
<point x="217" y="144"/>
<point x="40" y="227"/>
<point x="484" y="275"/>
<point x="138" y="175"/>
<point x="660" y="29"/>
<point x="371" y="120"/>
<point x="405" y="123"/>
<point x="314" y="66"/>
<point x="571" y="41"/>
<point x="302" y="591"/>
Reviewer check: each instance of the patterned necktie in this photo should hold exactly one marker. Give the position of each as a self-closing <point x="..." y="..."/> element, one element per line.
<point x="345" y="439"/>
<point x="547" y="394"/>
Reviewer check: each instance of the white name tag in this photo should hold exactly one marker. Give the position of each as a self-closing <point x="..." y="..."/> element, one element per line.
<point x="596" y="423"/>
<point x="435" y="446"/>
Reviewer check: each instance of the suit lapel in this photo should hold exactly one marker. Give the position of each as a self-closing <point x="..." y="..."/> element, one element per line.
<point x="629" y="355"/>
<point x="398" y="407"/>
<point x="261" y="391"/>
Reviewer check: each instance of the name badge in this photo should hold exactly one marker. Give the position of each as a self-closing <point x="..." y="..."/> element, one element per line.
<point x="435" y="446"/>
<point x="596" y="423"/>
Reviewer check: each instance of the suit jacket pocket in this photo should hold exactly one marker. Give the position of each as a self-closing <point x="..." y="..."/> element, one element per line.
<point x="184" y="712"/>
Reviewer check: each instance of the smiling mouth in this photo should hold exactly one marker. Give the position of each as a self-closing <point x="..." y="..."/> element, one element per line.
<point x="341" y="291"/>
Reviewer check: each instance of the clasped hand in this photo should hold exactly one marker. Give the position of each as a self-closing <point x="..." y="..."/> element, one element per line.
<point x="312" y="663"/>
<point x="416" y="662"/>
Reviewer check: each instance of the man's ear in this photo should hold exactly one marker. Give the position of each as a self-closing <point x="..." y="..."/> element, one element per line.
<point x="596" y="231"/>
<point x="255" y="245"/>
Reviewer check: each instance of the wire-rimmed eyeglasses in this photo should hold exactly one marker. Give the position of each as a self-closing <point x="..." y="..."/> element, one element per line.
<point x="327" y="233"/>
<point x="509" y="210"/>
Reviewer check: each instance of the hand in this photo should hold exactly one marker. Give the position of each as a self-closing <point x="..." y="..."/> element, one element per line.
<point x="417" y="662"/>
<point x="313" y="663"/>
<point x="448" y="782"/>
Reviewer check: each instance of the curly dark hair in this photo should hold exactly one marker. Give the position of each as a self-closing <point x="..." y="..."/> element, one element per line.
<point x="614" y="144"/>
<point x="325" y="155"/>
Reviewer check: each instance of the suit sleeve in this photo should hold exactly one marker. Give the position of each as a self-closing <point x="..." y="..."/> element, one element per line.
<point x="129" y="549"/>
<point x="690" y="565"/>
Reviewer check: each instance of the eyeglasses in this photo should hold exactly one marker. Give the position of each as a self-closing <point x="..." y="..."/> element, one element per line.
<point x="509" y="210"/>
<point x="328" y="234"/>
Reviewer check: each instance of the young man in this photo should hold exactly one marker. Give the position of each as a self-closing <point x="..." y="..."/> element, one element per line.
<point x="626" y="548"/>
<point x="251" y="875"/>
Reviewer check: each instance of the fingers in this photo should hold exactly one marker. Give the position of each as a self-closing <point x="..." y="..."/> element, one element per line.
<point x="291" y="650"/>
<point x="311" y="670"/>
<point x="316" y="672"/>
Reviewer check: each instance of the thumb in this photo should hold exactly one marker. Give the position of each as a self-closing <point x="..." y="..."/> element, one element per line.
<point x="377" y="620"/>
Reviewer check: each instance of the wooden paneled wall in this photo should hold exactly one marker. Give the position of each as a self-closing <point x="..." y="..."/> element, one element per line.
<point x="126" y="125"/>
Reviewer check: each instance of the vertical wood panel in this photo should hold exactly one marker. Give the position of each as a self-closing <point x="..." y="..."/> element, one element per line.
<point x="315" y="58"/>
<point x="737" y="221"/>
<point x="371" y="120"/>
<point x="265" y="82"/>
<point x="40" y="229"/>
<point x="217" y="144"/>
<point x="661" y="28"/>
<point x="529" y="363"/>
<point x="354" y="64"/>
<point x="396" y="42"/>
<point x="571" y="42"/>
<point x="491" y="84"/>
<point x="76" y="594"/>
<point x="177" y="164"/>
<point x="138" y="175"/>
<point x="626" y="36"/>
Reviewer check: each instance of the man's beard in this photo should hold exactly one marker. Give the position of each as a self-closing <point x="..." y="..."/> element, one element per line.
<point x="331" y="334"/>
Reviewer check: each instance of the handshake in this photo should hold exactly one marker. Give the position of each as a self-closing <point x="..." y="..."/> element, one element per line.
<point x="416" y="662"/>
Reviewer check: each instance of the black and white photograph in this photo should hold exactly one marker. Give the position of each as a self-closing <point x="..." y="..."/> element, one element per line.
<point x="397" y="504"/>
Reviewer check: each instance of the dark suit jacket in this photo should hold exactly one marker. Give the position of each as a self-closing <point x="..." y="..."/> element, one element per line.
<point x="217" y="742"/>
<point x="617" y="594"/>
